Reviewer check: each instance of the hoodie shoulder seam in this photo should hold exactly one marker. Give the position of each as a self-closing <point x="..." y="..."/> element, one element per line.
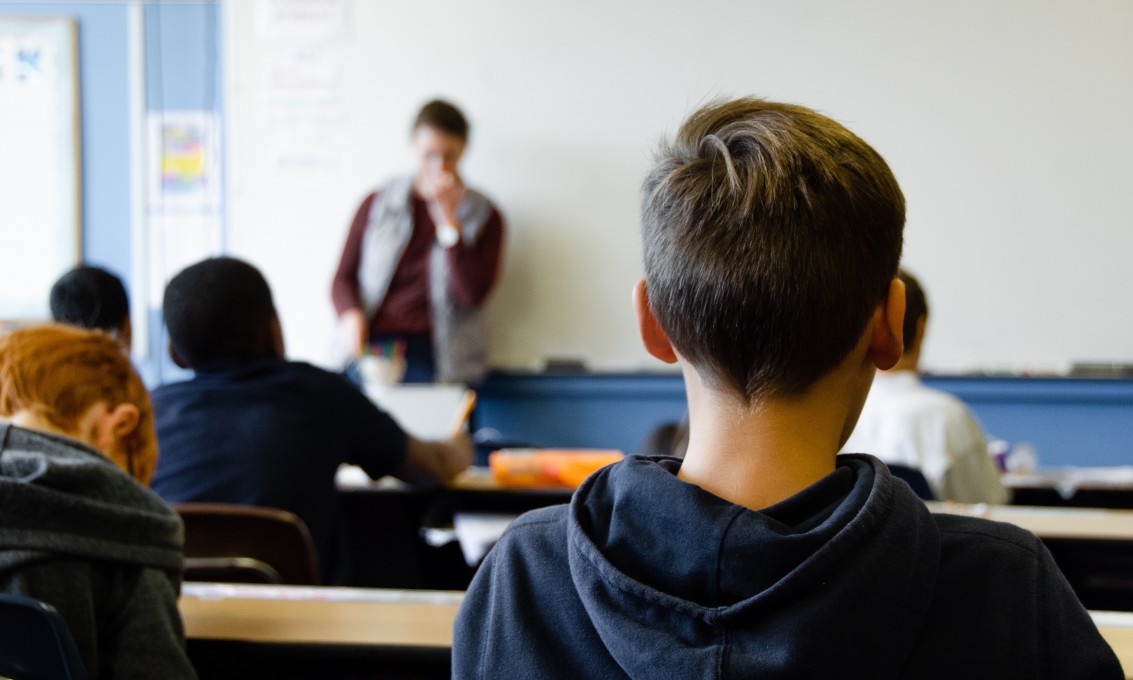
<point x="1024" y="541"/>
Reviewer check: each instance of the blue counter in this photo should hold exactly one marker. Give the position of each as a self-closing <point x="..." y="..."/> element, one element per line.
<point x="1068" y="421"/>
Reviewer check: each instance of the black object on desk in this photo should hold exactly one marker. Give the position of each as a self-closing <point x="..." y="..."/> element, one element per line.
<point x="383" y="527"/>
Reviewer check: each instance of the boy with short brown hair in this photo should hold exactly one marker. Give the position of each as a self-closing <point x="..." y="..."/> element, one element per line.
<point x="772" y="236"/>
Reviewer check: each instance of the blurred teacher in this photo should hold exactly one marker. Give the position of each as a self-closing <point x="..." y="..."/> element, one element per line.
<point x="420" y="260"/>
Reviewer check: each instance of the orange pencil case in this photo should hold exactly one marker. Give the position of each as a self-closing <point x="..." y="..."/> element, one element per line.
<point x="548" y="467"/>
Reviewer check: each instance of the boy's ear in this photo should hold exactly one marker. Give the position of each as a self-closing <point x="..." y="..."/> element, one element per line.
<point x="112" y="427"/>
<point x="278" y="349"/>
<point x="124" y="419"/>
<point x="652" y="335"/>
<point x="887" y="343"/>
<point x="178" y="360"/>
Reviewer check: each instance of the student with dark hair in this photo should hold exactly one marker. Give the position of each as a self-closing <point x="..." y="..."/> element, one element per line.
<point x="252" y="428"/>
<point x="908" y="423"/>
<point x="420" y="259"/>
<point x="771" y="241"/>
<point x="93" y="298"/>
<point x="78" y="527"/>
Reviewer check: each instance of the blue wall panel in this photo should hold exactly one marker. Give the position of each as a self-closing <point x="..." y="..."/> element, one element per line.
<point x="183" y="57"/>
<point x="182" y="54"/>
<point x="579" y="411"/>
<point x="1069" y="422"/>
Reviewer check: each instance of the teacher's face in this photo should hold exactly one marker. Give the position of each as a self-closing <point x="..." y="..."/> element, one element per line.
<point x="437" y="152"/>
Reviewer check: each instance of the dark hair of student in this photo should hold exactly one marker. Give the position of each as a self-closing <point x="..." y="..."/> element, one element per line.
<point x="219" y="308"/>
<point x="916" y="307"/>
<point x="91" y="298"/>
<point x="443" y="116"/>
<point x="770" y="233"/>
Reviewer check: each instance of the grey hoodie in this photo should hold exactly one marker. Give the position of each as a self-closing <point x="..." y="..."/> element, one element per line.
<point x="79" y="533"/>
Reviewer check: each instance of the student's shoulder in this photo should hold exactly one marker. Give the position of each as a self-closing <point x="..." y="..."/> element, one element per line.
<point x="983" y="536"/>
<point x="540" y="519"/>
<point x="316" y="375"/>
<point x="537" y="531"/>
<point x="168" y="389"/>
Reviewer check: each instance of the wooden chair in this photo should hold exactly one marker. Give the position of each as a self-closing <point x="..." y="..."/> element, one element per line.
<point x="35" y="643"/>
<point x="246" y="544"/>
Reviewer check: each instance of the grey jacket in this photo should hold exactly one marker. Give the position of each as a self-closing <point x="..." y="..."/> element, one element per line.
<point x="82" y="535"/>
<point x="460" y="333"/>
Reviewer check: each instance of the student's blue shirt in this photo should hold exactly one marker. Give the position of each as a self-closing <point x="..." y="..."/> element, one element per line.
<point x="272" y="433"/>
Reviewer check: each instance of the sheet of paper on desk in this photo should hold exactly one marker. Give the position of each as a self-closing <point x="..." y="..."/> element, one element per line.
<point x="477" y="532"/>
<point x="425" y="411"/>
<point x="353" y="477"/>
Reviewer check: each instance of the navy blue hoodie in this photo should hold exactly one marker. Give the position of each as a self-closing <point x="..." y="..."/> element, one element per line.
<point x="646" y="576"/>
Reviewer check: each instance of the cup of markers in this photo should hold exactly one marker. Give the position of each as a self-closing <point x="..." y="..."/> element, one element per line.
<point x="383" y="363"/>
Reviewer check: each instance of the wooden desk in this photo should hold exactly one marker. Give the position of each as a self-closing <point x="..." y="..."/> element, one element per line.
<point x="1117" y="629"/>
<point x="1053" y="523"/>
<point x="330" y="625"/>
<point x="1093" y="548"/>
<point x="1100" y="487"/>
<point x="371" y="626"/>
<point x="289" y="631"/>
<point x="383" y="521"/>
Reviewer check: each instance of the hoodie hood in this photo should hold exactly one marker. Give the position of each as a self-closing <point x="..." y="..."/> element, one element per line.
<point x="59" y="497"/>
<point x="773" y="593"/>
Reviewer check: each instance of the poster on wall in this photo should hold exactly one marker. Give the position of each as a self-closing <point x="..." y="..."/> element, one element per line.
<point x="184" y="179"/>
<point x="40" y="222"/>
<point x="184" y="174"/>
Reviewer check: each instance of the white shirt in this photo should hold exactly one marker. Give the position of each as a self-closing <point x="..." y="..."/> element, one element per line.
<point x="905" y="422"/>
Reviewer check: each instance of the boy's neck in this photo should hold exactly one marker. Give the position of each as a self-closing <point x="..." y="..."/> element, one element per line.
<point x="759" y="455"/>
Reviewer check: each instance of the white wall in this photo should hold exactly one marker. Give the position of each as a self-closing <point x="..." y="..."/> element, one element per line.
<point x="1007" y="122"/>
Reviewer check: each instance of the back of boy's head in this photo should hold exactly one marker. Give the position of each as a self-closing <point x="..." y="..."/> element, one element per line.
<point x="770" y="234"/>
<point x="58" y="372"/>
<point x="91" y="298"/>
<point x="916" y="307"/>
<point x="220" y="308"/>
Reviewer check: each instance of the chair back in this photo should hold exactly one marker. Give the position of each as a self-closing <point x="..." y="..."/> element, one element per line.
<point x="914" y="478"/>
<point x="246" y="544"/>
<point x="35" y="643"/>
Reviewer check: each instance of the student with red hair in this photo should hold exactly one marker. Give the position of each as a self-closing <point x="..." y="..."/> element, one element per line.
<point x="79" y="529"/>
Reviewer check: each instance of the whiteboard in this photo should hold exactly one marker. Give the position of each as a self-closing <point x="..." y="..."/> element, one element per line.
<point x="39" y="161"/>
<point x="1007" y="123"/>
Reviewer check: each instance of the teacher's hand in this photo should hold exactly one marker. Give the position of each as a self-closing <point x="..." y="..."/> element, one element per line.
<point x="446" y="191"/>
<point x="355" y="334"/>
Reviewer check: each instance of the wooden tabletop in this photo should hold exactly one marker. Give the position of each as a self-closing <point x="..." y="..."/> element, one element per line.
<point x="1117" y="629"/>
<point x="1068" y="480"/>
<point x="359" y="617"/>
<point x="1082" y="523"/>
<point x="369" y="618"/>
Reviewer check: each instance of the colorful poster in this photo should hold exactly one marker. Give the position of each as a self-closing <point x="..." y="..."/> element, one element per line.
<point x="184" y="168"/>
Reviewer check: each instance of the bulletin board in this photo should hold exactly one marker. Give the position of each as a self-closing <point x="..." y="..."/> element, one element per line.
<point x="40" y="216"/>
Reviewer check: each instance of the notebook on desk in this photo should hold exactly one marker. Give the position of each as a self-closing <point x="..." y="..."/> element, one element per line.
<point x="425" y="411"/>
